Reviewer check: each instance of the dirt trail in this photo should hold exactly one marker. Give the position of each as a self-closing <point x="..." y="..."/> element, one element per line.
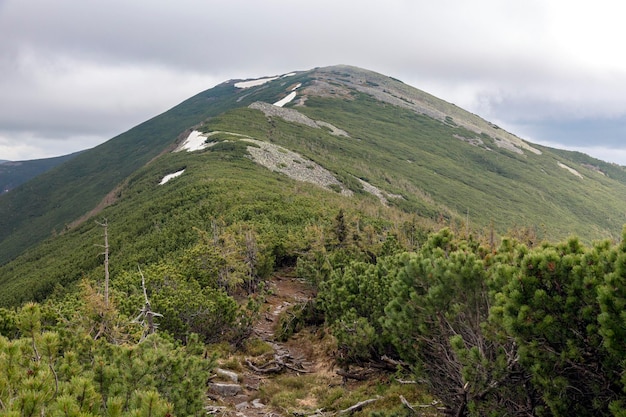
<point x="284" y="291"/>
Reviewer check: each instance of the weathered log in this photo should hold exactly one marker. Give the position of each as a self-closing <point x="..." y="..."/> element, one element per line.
<point x="358" y="406"/>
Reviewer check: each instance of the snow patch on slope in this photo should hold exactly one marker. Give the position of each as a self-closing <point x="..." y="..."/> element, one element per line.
<point x="196" y="141"/>
<point x="287" y="99"/>
<point x="171" y="176"/>
<point x="254" y="83"/>
<point x="261" y="81"/>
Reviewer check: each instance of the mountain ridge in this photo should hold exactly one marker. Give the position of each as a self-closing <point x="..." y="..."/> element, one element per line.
<point x="382" y="107"/>
<point x="315" y="210"/>
<point x="15" y="173"/>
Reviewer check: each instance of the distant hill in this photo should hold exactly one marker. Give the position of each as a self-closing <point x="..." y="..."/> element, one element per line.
<point x="15" y="173"/>
<point x="283" y="155"/>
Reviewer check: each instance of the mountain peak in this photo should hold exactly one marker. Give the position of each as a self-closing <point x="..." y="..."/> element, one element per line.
<point x="369" y="131"/>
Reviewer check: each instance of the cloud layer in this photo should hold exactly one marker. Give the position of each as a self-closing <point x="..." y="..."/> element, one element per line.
<point x="76" y="73"/>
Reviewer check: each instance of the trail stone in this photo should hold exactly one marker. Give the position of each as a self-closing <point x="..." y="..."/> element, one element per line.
<point x="256" y="403"/>
<point x="225" y="390"/>
<point x="242" y="406"/>
<point x="228" y="374"/>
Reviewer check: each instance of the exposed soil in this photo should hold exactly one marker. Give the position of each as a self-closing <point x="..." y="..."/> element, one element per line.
<point x="297" y="354"/>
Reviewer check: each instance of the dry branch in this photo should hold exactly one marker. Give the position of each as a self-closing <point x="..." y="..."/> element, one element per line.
<point x="406" y="403"/>
<point x="358" y="406"/>
<point x="273" y="370"/>
<point x="351" y="375"/>
<point x="405" y="382"/>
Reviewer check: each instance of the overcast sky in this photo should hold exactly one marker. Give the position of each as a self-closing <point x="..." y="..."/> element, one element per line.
<point x="75" y="73"/>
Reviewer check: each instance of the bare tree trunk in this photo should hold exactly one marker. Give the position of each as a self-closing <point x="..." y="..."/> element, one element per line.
<point x="147" y="309"/>
<point x="251" y="260"/>
<point x="146" y="315"/>
<point x="105" y="225"/>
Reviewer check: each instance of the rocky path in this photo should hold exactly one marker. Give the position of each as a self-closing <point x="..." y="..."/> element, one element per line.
<point x="237" y="393"/>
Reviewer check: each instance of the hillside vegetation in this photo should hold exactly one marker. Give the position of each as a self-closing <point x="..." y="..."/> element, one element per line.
<point x="427" y="236"/>
<point x="15" y="173"/>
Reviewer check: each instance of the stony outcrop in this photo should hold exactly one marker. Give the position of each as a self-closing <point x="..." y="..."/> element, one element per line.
<point x="294" y="116"/>
<point x="279" y="159"/>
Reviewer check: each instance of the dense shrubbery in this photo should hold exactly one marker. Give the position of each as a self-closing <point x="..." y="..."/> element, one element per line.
<point x="515" y="331"/>
<point x="97" y="356"/>
<point x="66" y="372"/>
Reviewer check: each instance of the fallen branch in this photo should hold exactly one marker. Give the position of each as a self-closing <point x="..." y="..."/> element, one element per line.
<point x="275" y="370"/>
<point x="406" y="403"/>
<point x="295" y="369"/>
<point x="358" y="406"/>
<point x="404" y="381"/>
<point x="393" y="362"/>
<point x="349" y="375"/>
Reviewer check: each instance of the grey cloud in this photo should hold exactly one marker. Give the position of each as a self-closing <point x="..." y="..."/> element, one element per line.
<point x="92" y="67"/>
<point x="610" y="133"/>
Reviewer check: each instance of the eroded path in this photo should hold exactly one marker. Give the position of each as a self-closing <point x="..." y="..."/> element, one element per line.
<point x="296" y="356"/>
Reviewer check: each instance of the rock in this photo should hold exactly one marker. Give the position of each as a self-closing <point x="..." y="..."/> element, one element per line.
<point x="242" y="406"/>
<point x="256" y="403"/>
<point x="228" y="374"/>
<point x="225" y="390"/>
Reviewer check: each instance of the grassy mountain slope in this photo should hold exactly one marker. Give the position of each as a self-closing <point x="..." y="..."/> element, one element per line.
<point x="14" y="173"/>
<point x="221" y="190"/>
<point x="474" y="169"/>
<point x="36" y="210"/>
<point x="430" y="159"/>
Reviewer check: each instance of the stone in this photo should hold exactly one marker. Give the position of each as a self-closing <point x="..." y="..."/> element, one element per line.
<point x="228" y="374"/>
<point x="225" y="390"/>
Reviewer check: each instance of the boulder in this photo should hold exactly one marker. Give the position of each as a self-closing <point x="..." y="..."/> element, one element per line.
<point x="225" y="390"/>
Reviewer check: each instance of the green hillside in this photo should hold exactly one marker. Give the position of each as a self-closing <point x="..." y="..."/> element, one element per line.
<point x="48" y="205"/>
<point x="14" y="173"/>
<point x="361" y="221"/>
<point x="429" y="158"/>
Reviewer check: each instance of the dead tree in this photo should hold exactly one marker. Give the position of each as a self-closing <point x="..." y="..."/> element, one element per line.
<point x="105" y="225"/>
<point x="146" y="315"/>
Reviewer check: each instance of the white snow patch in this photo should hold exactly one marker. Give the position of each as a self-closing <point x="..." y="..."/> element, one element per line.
<point x="572" y="170"/>
<point x="170" y="176"/>
<point x="291" y="74"/>
<point x="296" y="87"/>
<point x="282" y="102"/>
<point x="254" y="83"/>
<point x="194" y="142"/>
